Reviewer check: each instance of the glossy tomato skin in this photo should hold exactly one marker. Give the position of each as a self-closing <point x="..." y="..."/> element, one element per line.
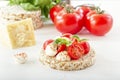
<point x="98" y="24"/>
<point x="75" y="51"/>
<point x="86" y="46"/>
<point x="54" y="11"/>
<point x="68" y="22"/>
<point x="61" y="47"/>
<point x="84" y="10"/>
<point x="47" y="42"/>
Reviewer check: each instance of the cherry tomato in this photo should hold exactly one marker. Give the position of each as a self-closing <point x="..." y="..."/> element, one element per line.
<point x="86" y="46"/>
<point x="69" y="21"/>
<point x="98" y="23"/>
<point x="46" y="43"/>
<point x="61" y="47"/>
<point x="54" y="11"/>
<point x="75" y="51"/>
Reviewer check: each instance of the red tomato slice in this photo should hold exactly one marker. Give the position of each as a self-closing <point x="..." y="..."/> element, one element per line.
<point x="67" y="35"/>
<point x="46" y="43"/>
<point x="61" y="47"/>
<point x="86" y="46"/>
<point x="75" y="51"/>
<point x="75" y="41"/>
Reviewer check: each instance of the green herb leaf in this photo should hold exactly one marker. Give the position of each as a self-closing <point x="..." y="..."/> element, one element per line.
<point x="62" y="41"/>
<point x="12" y="2"/>
<point x="29" y="6"/>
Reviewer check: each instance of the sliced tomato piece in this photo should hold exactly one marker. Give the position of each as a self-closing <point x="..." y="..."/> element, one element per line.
<point x="46" y="43"/>
<point x="74" y="41"/>
<point x="61" y="47"/>
<point x="75" y="51"/>
<point x="86" y="46"/>
<point x="67" y="35"/>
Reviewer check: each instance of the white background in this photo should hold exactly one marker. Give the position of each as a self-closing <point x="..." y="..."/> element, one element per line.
<point x="107" y="66"/>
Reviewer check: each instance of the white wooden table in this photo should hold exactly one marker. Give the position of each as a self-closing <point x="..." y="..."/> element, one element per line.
<point x="107" y="66"/>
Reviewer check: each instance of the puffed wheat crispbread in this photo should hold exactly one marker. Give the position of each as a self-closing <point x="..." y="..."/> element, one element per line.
<point x="82" y="63"/>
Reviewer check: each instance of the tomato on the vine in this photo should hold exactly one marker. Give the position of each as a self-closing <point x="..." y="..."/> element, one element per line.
<point x="84" y="9"/>
<point x="47" y="42"/>
<point x="54" y="11"/>
<point x="69" y="21"/>
<point x="98" y="22"/>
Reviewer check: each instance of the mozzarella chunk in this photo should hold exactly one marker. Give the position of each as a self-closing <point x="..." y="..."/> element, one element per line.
<point x="63" y="56"/>
<point x="51" y="50"/>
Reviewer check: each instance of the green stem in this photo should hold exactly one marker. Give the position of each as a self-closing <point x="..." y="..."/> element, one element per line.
<point x="69" y="9"/>
<point x="99" y="11"/>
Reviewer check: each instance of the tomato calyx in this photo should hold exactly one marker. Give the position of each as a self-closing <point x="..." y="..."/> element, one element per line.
<point x="62" y="4"/>
<point x="99" y="10"/>
<point x="69" y="9"/>
<point x="91" y="6"/>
